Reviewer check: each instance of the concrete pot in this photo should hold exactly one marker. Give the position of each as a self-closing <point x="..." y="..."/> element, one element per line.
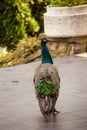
<point x="66" y="21"/>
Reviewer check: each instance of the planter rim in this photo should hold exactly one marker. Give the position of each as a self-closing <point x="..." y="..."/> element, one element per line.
<point x="76" y="6"/>
<point x="66" y="21"/>
<point x="81" y="9"/>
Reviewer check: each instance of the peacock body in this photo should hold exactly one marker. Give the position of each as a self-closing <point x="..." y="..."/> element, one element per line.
<point x="46" y="82"/>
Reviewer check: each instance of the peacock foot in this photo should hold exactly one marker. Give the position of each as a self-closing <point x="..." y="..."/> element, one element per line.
<point x="54" y="111"/>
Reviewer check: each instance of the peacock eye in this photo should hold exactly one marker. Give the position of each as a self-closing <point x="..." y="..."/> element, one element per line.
<point x="44" y="40"/>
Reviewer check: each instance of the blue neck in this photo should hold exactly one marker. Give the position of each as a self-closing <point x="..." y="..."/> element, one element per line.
<point x="46" y="57"/>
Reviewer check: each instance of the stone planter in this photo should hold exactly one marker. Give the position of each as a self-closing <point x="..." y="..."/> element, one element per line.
<point x="66" y="21"/>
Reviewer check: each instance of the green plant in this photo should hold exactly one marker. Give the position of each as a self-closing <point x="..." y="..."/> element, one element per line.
<point x="22" y="18"/>
<point x="38" y="9"/>
<point x="68" y="2"/>
<point x="24" y="48"/>
<point x="16" y="21"/>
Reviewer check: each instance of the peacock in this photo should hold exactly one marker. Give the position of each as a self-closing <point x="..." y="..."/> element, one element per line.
<point x="46" y="82"/>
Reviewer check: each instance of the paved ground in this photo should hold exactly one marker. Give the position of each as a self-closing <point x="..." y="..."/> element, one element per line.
<point x="19" y="108"/>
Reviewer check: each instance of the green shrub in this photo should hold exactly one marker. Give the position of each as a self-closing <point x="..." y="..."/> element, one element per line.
<point x="24" y="48"/>
<point x="21" y="18"/>
<point x="68" y="2"/>
<point x="16" y="21"/>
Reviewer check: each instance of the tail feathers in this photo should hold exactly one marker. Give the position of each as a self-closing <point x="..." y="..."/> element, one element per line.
<point x="47" y="116"/>
<point x="47" y="106"/>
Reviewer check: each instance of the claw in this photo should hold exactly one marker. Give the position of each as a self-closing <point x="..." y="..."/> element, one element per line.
<point x="55" y="111"/>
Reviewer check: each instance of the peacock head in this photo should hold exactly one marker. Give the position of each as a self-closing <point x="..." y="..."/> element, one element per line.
<point x="44" y="40"/>
<point x="46" y="57"/>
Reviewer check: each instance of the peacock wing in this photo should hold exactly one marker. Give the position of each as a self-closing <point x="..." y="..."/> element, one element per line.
<point x="38" y="75"/>
<point x="54" y="75"/>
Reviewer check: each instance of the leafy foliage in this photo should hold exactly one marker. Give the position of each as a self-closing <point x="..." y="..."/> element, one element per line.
<point x="21" y="18"/>
<point x="38" y="9"/>
<point x="68" y="2"/>
<point x="46" y="87"/>
<point x="16" y="21"/>
<point x="25" y="48"/>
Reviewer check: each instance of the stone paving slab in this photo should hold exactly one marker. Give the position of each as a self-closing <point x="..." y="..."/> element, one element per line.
<point x="19" y="108"/>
